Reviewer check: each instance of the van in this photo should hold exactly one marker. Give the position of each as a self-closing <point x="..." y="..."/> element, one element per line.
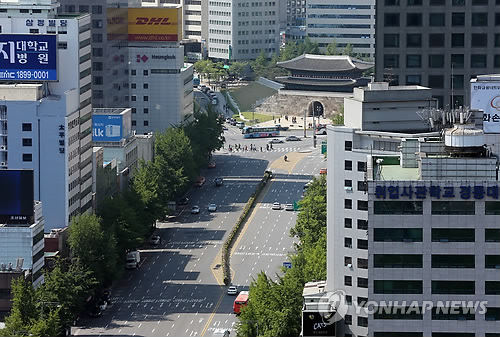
<point x="240" y="125"/>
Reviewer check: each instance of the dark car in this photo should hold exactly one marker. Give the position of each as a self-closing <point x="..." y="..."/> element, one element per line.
<point x="182" y="202"/>
<point x="218" y="181"/>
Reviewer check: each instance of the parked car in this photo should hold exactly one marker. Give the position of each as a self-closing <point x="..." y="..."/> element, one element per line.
<point x="155" y="240"/>
<point x="322" y="171"/>
<point x="211" y="164"/>
<point x="195" y="209"/>
<point x="292" y="138"/>
<point x="200" y="181"/>
<point x="276" y="205"/>
<point x="212" y="207"/>
<point x="218" y="181"/>
<point x="275" y="141"/>
<point x="183" y="201"/>
<point x="232" y="290"/>
<point x="289" y="207"/>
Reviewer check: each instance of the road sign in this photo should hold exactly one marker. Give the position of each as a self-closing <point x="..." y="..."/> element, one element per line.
<point x="287" y="265"/>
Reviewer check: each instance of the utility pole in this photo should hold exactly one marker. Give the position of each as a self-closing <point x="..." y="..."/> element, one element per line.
<point x="305" y="121"/>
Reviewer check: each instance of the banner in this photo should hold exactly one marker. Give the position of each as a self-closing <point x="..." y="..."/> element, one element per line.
<point x="486" y="96"/>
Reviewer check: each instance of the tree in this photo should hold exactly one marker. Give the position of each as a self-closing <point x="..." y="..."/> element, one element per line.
<point x="338" y="119"/>
<point x="331" y="49"/>
<point x="145" y="190"/>
<point x="24" y="310"/>
<point x="92" y="247"/>
<point x="237" y="68"/>
<point x="348" y="50"/>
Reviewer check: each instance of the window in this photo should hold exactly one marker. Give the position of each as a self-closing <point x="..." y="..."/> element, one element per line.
<point x="348" y="242"/>
<point x="347" y="183"/>
<point x="362" y="224"/>
<point x="453" y="261"/>
<point x="458" y="2"/>
<point x="98" y="66"/>
<point x="413" y="19"/>
<point x="363" y="321"/>
<point x="413" y="79"/>
<point x="27" y="142"/>
<point x="479" y="2"/>
<point x="348" y="203"/>
<point x="496" y="61"/>
<point x="391" y="19"/>
<point x="134" y="123"/>
<point x="133" y="72"/>
<point x="145" y="110"/>
<point x="348" y="280"/>
<point x="362" y="244"/>
<point x="453" y="235"/>
<point x="436" y="81"/>
<point x="492" y="314"/>
<point x="96" y="9"/>
<point x="458" y="81"/>
<point x="26" y="126"/>
<point x="397" y="312"/>
<point x="397" y="261"/>
<point x="348" y="319"/>
<point x="391" y="61"/>
<point x="347" y="223"/>
<point x="134" y="110"/>
<point x="457" y="40"/>
<point x="391" y="3"/>
<point x="97" y="51"/>
<point x="437" y="2"/>
<point x="361" y="166"/>
<point x="347" y="261"/>
<point x="362" y="301"/>
<point x="497" y="40"/>
<point x="492" y="262"/>
<point x="436" y="40"/>
<point x="458" y="19"/>
<point x="348" y="165"/>
<point x="462" y="314"/>
<point x="479" y="19"/>
<point x="362" y="186"/>
<point x="398" y="207"/>
<point x="362" y="282"/>
<point x="492" y="235"/>
<point x="98" y="80"/>
<point x="453" y="208"/>
<point x="362" y="263"/>
<point x="145" y="86"/>
<point x="348" y="300"/>
<point x="453" y="287"/>
<point x="146" y="123"/>
<point x="27" y="157"/>
<point x="413" y="61"/>
<point x="436" y="19"/>
<point x="145" y="98"/>
<point x="492" y="287"/>
<point x="133" y="85"/>
<point x="145" y="72"/>
<point x="362" y="205"/>
<point x="414" y="40"/>
<point x="397" y="234"/>
<point x="397" y="287"/>
<point x="133" y="98"/>
<point x="348" y="145"/>
<point x="479" y="40"/>
<point x="478" y="61"/>
<point x="391" y="40"/>
<point x="457" y="60"/>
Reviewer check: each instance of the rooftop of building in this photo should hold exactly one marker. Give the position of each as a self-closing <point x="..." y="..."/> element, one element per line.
<point x="314" y="288"/>
<point x="390" y="170"/>
<point x="323" y="63"/>
<point x="109" y="111"/>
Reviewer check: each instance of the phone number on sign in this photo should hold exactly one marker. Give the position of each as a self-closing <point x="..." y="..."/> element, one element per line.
<point x="36" y="75"/>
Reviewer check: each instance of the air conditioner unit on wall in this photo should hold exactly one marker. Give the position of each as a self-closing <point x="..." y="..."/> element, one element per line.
<point x="3" y="163"/>
<point x="3" y="147"/>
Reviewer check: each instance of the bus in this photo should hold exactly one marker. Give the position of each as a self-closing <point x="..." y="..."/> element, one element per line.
<point x="259" y="132"/>
<point x="241" y="300"/>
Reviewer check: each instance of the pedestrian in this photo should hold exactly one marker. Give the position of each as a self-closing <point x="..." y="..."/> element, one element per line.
<point x="246" y="148"/>
<point x="267" y="147"/>
<point x="261" y="149"/>
<point x="271" y="146"/>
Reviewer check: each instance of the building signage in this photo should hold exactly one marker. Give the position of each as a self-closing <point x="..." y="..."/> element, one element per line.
<point x="154" y="24"/>
<point x="465" y="192"/>
<point x="107" y="128"/>
<point x="486" y="96"/>
<point x="313" y="324"/>
<point x="62" y="138"/>
<point x="28" y="57"/>
<point x="17" y="197"/>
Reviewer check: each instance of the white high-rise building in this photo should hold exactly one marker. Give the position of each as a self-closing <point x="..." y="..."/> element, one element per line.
<point x="342" y="22"/>
<point x="242" y="29"/>
<point x="47" y="125"/>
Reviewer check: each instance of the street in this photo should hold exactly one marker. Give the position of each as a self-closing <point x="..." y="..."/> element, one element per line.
<point x="177" y="290"/>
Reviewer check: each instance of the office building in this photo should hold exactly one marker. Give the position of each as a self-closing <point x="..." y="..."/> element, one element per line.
<point x="295" y="13"/>
<point x="241" y="29"/>
<point x="412" y="217"/>
<point x="343" y="23"/>
<point x="46" y="125"/>
<point x="440" y="44"/>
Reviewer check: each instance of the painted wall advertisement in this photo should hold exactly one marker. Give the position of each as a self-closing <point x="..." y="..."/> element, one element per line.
<point x="486" y="96"/>
<point x="28" y="57"/>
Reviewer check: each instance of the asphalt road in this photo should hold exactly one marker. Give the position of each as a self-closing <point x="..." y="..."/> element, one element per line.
<point x="175" y="292"/>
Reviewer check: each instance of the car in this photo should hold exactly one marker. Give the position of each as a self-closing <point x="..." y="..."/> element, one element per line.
<point x="155" y="240"/>
<point x="275" y="141"/>
<point x="199" y="182"/>
<point x="232" y="290"/>
<point x="292" y="138"/>
<point x="228" y="120"/>
<point x="95" y="311"/>
<point x="218" y="181"/>
<point x="322" y="171"/>
<point x="289" y="207"/>
<point x="103" y="305"/>
<point x="183" y="201"/>
<point x="233" y="123"/>
<point x="202" y="87"/>
<point x="212" y="207"/>
<point x="276" y="205"/>
<point x="195" y="209"/>
<point x="211" y="164"/>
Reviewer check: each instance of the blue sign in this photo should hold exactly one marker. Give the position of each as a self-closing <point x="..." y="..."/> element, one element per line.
<point x="28" y="57"/>
<point x="465" y="192"/>
<point x="107" y="128"/>
<point x="287" y="265"/>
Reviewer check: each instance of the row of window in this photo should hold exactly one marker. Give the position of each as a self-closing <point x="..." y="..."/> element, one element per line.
<point x="220" y="22"/>
<point x="440" y="2"/>
<point x="265" y="13"/>
<point x="458" y="313"/>
<point x="414" y="40"/>
<point x="437" y="261"/>
<point x="437" y="207"/>
<point x="448" y="287"/>
<point x="437" y="235"/>
<point x="416" y="19"/>
<point x="96" y="9"/>
<point x="256" y="4"/>
<point x="476" y="61"/>
<point x="256" y="23"/>
<point x="145" y="123"/>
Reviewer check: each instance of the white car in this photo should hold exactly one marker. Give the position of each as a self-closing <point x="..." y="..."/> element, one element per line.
<point x="232" y="290"/>
<point x="195" y="210"/>
<point x="155" y="240"/>
<point x="212" y="207"/>
<point x="276" y="205"/>
<point x="289" y="207"/>
<point x="275" y="141"/>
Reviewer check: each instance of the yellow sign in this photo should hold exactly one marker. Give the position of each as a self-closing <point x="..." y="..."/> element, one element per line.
<point x="154" y="24"/>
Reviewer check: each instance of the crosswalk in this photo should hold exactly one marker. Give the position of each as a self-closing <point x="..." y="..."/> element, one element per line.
<point x="275" y="149"/>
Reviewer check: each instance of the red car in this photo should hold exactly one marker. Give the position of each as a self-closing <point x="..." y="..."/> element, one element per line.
<point x="211" y="164"/>
<point x="322" y="171"/>
<point x="199" y="182"/>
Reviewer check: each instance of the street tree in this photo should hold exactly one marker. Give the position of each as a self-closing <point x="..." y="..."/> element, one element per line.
<point x="331" y="48"/>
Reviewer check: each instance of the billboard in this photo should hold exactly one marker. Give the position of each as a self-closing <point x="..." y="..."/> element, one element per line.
<point x="107" y="128"/>
<point x="486" y="96"/>
<point x="28" y="57"/>
<point x="16" y="199"/>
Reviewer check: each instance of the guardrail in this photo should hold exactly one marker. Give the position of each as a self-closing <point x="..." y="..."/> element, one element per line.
<point x="228" y="244"/>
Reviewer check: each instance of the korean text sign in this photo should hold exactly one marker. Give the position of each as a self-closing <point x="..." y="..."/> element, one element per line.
<point x="486" y="96"/>
<point x="28" y="57"/>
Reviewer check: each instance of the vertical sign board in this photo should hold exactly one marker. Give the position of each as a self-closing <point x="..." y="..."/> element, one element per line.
<point x="107" y="128"/>
<point x="486" y="96"/>
<point x="28" y="57"/>
<point x="17" y="196"/>
<point x="314" y="324"/>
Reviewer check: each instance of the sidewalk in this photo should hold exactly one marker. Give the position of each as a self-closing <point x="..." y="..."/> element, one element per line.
<point x="298" y="125"/>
